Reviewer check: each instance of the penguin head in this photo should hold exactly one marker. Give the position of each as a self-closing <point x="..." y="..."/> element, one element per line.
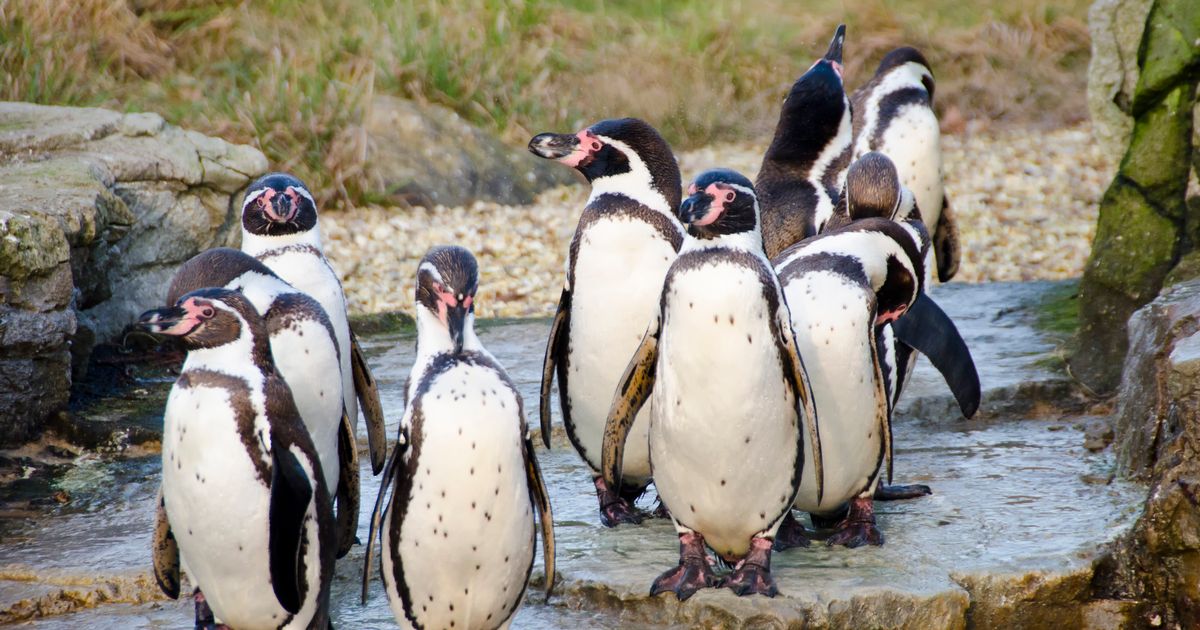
<point x="814" y="109"/>
<point x="209" y="318"/>
<point x="216" y="267"/>
<point x="447" y="279"/>
<point x="872" y="187"/>
<point x="278" y="204"/>
<point x="720" y="202"/>
<point x="626" y="151"/>
<point x="909" y="60"/>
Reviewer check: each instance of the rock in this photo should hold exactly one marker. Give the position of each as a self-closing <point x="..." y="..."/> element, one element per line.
<point x="97" y="208"/>
<point x="427" y="155"/>
<point x="1116" y="30"/>
<point x="1097" y="435"/>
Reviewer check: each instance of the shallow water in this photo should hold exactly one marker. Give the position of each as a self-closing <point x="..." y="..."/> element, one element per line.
<point x="1011" y="496"/>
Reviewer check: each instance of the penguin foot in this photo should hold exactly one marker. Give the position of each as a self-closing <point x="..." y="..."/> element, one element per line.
<point x="204" y="615"/>
<point x="900" y="493"/>
<point x="752" y="576"/>
<point x="693" y="573"/>
<point x="859" y="527"/>
<point x="791" y="534"/>
<point x="615" y="509"/>
<point x="660" y="510"/>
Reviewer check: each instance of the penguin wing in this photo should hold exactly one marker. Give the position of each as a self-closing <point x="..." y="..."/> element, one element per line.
<point x="348" y="486"/>
<point x="632" y="392"/>
<point x="165" y="551"/>
<point x="541" y="499"/>
<point x="368" y="398"/>
<point x="793" y="370"/>
<point x="291" y="493"/>
<point x="389" y="477"/>
<point x="945" y="242"/>
<point x="928" y="329"/>
<point x="556" y="348"/>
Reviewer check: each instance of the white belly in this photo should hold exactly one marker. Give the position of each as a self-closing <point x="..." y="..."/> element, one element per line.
<point x="619" y="272"/>
<point x="307" y="359"/>
<point x="723" y="437"/>
<point x="209" y="485"/>
<point x="833" y="327"/>
<point x="467" y="540"/>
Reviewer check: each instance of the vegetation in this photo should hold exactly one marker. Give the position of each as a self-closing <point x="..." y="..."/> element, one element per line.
<point x="295" y="77"/>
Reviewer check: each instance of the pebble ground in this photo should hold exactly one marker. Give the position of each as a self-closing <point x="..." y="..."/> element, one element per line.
<point x="1026" y="203"/>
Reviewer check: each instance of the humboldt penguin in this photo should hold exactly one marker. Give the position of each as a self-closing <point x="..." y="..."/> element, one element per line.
<point x="458" y="534"/>
<point x="279" y="228"/>
<point x="244" y="507"/>
<point x="626" y="239"/>
<point x="731" y="403"/>
<point x="893" y="114"/>
<point x="803" y="169"/>
<point x="305" y="350"/>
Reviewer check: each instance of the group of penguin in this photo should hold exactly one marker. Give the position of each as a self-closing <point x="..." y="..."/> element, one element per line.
<point x="743" y="348"/>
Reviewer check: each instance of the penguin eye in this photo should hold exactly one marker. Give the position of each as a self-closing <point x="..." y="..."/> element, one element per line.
<point x="207" y="311"/>
<point x="729" y="195"/>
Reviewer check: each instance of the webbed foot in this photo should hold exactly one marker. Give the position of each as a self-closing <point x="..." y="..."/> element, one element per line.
<point x="901" y="493"/>
<point x="204" y="615"/>
<point x="614" y="509"/>
<point x="693" y="572"/>
<point x="791" y="534"/>
<point x="752" y="576"/>
<point x="858" y="528"/>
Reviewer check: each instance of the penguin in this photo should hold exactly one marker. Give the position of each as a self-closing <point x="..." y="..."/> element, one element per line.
<point x="627" y="237"/>
<point x="732" y="405"/>
<point x="280" y="229"/>
<point x="894" y="115"/>
<point x="804" y="167"/>
<point x="306" y="352"/>
<point x="236" y="452"/>
<point x="458" y="534"/>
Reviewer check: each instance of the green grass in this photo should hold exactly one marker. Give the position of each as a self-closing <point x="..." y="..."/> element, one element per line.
<point x="296" y="78"/>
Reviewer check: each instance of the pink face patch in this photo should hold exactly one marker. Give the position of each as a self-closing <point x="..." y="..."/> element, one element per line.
<point x="264" y="200"/>
<point x="721" y="195"/>
<point x="890" y="316"/>
<point x="587" y="148"/>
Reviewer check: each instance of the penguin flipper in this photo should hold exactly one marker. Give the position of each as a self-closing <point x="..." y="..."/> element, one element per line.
<point x="367" y="391"/>
<point x="389" y="477"/>
<point x="946" y="246"/>
<point x="928" y="329"/>
<point x="797" y="375"/>
<point x="165" y="551"/>
<point x="556" y="345"/>
<point x="632" y="391"/>
<point x="541" y="498"/>
<point x="347" y="497"/>
<point x="291" y="494"/>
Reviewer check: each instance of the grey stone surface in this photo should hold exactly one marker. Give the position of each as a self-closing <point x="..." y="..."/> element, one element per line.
<point x="96" y="210"/>
<point x="1116" y="30"/>
<point x="427" y="155"/>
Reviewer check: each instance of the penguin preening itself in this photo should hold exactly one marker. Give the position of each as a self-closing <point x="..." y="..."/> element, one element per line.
<point x="893" y="114"/>
<point x="731" y="403"/>
<point x="280" y="229"/>
<point x="306" y="353"/>
<point x="802" y="172"/>
<point x="626" y="239"/>
<point x="458" y="534"/>
<point x="244" y="504"/>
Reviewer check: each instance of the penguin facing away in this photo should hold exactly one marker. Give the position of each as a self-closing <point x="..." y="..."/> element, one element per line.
<point x="305" y="351"/>
<point x="236" y="451"/>
<point x="626" y="239"/>
<point x="280" y="229"/>
<point x="804" y="167"/>
<point x="729" y="388"/>
<point x="894" y="115"/>
<point x="458" y="533"/>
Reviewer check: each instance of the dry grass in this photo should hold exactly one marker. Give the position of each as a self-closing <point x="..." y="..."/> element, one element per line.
<point x="294" y="78"/>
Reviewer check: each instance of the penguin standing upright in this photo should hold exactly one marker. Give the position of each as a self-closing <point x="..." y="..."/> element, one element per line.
<point x="244" y="504"/>
<point x="894" y="115"/>
<point x="458" y="535"/>
<point x="279" y="228"/>
<point x="731" y="400"/>
<point x="626" y="239"/>
<point x="803" y="169"/>
<point x="306" y="352"/>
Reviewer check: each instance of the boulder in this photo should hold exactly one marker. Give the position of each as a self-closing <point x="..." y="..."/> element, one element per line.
<point x="427" y="155"/>
<point x="1116" y="30"/>
<point x="97" y="208"/>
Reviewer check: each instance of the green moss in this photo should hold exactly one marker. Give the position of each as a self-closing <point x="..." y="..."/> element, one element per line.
<point x="1058" y="310"/>
<point x="378" y="323"/>
<point x="1134" y="246"/>
<point x="1159" y="151"/>
<point x="1169" y="52"/>
<point x="30" y="246"/>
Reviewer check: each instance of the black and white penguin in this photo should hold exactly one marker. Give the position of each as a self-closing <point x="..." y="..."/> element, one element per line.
<point x="803" y="169"/>
<point x="244" y="506"/>
<point x="626" y="239"/>
<point x="894" y="115"/>
<point x="305" y="351"/>
<point x="279" y="228"/>
<point x="731" y="401"/>
<point x="458" y="535"/>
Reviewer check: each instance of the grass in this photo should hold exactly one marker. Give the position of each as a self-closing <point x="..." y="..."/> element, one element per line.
<point x="296" y="78"/>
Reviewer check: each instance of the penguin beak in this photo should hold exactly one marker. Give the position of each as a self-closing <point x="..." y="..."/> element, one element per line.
<point x="695" y="208"/>
<point x="553" y="146"/>
<point x="456" y="321"/>
<point x="172" y="320"/>
<point x="834" y="53"/>
<point x="280" y="209"/>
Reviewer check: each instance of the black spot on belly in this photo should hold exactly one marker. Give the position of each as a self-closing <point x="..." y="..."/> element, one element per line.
<point x="730" y="319"/>
<point x="762" y="515"/>
<point x="749" y="339"/>
<point x="715" y="319"/>
<point x="472" y="505"/>
<point x="722" y="482"/>
<point x="693" y="508"/>
<point x="472" y="470"/>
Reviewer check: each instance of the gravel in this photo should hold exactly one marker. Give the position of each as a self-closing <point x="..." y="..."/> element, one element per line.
<point x="1026" y="203"/>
